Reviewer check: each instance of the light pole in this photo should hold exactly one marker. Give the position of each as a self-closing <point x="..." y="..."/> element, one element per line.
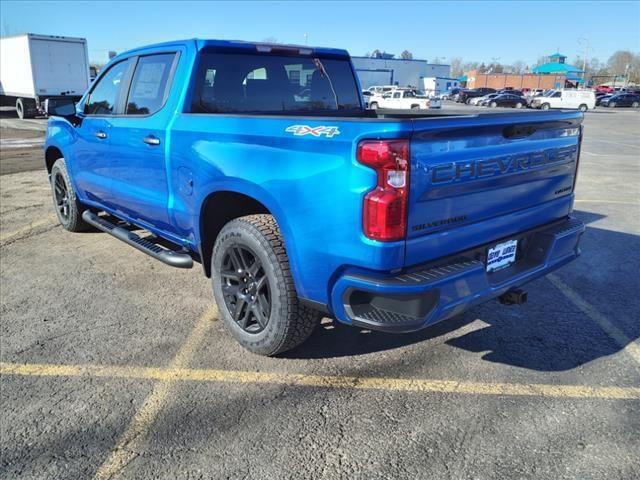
<point x="585" y="42"/>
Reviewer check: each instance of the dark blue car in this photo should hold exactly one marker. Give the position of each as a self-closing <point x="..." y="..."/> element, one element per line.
<point x="621" y="100"/>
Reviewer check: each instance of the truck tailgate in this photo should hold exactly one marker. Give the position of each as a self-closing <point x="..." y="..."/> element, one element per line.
<point x="475" y="179"/>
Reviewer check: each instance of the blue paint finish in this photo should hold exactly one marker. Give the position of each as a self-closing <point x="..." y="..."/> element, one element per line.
<point x="314" y="186"/>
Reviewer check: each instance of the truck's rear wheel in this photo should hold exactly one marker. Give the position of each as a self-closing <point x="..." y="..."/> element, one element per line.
<point x="583" y="108"/>
<point x="254" y="290"/>
<point x="25" y="108"/>
<point x="68" y="208"/>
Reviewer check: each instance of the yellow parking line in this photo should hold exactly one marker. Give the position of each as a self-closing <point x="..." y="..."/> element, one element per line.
<point x="25" y="230"/>
<point x="627" y="344"/>
<point x="128" y="444"/>
<point x="167" y="376"/>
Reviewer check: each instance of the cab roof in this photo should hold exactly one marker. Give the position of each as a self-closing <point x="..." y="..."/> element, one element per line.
<point x="264" y="47"/>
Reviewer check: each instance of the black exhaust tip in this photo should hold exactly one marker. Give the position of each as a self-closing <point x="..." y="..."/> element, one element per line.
<point x="513" y="297"/>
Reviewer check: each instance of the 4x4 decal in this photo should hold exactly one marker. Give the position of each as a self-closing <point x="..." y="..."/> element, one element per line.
<point x="301" y="130"/>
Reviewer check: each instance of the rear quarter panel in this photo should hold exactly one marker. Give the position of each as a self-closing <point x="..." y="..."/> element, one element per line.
<point x="312" y="185"/>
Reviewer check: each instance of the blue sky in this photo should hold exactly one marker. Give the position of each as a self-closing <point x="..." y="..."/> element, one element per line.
<point x="474" y="31"/>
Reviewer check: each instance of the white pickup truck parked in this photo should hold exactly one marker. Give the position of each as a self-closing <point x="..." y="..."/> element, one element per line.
<point x="404" y="99"/>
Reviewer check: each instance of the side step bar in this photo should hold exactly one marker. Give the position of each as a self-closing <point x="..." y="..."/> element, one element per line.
<point x="170" y="257"/>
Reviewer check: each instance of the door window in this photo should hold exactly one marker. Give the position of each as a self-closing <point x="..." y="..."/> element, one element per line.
<point x="104" y="96"/>
<point x="150" y="84"/>
<point x="396" y="95"/>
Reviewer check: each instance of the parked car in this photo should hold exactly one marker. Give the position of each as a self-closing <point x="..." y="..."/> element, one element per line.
<point x="379" y="89"/>
<point x="366" y="96"/>
<point x="479" y="100"/>
<point x="296" y="200"/>
<point x="512" y="91"/>
<point x="402" y="99"/>
<point x="621" y="100"/>
<point x="582" y="100"/>
<point x="600" y="96"/>
<point x="449" y="94"/>
<point x="604" y="89"/>
<point x="505" y="100"/>
<point x="465" y="95"/>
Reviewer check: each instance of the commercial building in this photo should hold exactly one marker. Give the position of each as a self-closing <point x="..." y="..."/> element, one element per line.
<point x="519" y="81"/>
<point x="557" y="65"/>
<point x="392" y="71"/>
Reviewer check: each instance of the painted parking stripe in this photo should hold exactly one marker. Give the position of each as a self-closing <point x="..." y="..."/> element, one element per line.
<point x="627" y="344"/>
<point x="324" y="381"/>
<point x="127" y="446"/>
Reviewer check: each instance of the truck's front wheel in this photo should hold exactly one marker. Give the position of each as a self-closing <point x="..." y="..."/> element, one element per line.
<point x="68" y="207"/>
<point x="254" y="290"/>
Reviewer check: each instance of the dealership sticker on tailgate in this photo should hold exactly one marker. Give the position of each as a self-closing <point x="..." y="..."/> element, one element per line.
<point x="502" y="255"/>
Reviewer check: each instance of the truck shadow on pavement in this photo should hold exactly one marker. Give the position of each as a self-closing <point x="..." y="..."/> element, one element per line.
<point x="549" y="333"/>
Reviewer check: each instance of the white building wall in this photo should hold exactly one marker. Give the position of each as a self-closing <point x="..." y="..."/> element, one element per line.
<point x="381" y="71"/>
<point x="438" y="85"/>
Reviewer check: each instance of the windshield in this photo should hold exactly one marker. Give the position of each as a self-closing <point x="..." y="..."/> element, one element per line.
<point x="549" y="93"/>
<point x="264" y="83"/>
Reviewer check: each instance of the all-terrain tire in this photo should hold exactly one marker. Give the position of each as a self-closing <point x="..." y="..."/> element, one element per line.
<point x="289" y="322"/>
<point x="70" y="217"/>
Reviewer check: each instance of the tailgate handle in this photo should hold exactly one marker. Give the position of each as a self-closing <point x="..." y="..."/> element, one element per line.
<point x="518" y="131"/>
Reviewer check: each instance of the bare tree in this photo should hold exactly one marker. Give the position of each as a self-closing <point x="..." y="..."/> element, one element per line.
<point x="518" y="67"/>
<point x="541" y="61"/>
<point x="456" y="67"/>
<point x="406" y="55"/>
<point x="624" y="62"/>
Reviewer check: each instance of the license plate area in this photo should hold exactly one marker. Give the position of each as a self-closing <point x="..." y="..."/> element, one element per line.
<point x="501" y="255"/>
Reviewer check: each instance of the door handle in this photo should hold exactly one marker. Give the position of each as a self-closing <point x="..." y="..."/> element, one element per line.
<point x="101" y="135"/>
<point x="151" y="140"/>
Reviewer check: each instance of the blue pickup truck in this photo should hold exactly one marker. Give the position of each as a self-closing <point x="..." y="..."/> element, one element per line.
<point x="259" y="162"/>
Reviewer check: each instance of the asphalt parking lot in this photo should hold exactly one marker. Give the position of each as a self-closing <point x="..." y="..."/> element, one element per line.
<point x="115" y="366"/>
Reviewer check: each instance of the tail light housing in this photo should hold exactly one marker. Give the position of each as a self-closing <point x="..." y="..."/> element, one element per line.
<point x="384" y="213"/>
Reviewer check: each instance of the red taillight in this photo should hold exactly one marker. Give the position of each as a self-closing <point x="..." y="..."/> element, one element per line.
<point x="384" y="215"/>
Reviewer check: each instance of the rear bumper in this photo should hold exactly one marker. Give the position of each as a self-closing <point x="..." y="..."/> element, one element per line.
<point x="426" y="294"/>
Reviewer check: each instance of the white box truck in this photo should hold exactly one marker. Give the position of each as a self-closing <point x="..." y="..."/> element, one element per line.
<point x="34" y="68"/>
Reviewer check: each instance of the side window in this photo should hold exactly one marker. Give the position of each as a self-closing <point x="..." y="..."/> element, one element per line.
<point x="103" y="98"/>
<point x="408" y="94"/>
<point x="396" y="95"/>
<point x="149" y="84"/>
<point x="556" y="95"/>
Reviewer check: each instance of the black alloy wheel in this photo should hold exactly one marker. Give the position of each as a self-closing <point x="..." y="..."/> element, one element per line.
<point x="245" y="288"/>
<point x="61" y="195"/>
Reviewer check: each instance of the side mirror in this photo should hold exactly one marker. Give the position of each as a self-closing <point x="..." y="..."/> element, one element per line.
<point x="60" y="107"/>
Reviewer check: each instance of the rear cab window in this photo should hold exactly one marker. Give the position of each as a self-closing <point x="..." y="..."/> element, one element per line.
<point x="266" y="83"/>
